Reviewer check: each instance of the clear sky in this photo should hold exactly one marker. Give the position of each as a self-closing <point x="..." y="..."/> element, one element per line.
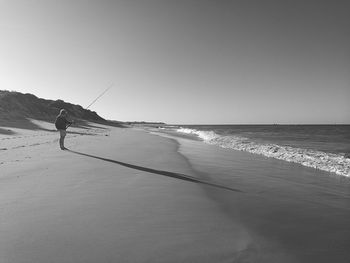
<point x="183" y="61"/>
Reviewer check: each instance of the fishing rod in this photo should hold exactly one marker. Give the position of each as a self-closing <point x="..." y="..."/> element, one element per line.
<point x="100" y="95"/>
<point x="96" y="99"/>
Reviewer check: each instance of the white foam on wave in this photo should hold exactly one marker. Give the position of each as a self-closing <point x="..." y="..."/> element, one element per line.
<point x="204" y="135"/>
<point x="329" y="162"/>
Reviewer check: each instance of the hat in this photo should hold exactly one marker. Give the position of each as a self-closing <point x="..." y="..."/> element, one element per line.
<point x="63" y="112"/>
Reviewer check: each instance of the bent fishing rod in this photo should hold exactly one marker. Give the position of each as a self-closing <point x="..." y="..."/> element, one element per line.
<point x="96" y="99"/>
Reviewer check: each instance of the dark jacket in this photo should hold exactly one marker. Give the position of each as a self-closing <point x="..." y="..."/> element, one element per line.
<point x="61" y="122"/>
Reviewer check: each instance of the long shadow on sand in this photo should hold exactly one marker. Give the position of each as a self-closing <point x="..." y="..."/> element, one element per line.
<point x="160" y="172"/>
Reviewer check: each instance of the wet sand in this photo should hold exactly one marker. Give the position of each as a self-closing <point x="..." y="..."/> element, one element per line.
<point x="289" y="209"/>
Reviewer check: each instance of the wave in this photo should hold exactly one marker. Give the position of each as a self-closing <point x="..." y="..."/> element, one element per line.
<point x="330" y="162"/>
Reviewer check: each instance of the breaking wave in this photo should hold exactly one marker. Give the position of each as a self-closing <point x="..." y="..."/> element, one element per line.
<point x="329" y="162"/>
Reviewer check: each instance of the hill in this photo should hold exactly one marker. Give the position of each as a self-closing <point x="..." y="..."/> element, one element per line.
<point x="15" y="105"/>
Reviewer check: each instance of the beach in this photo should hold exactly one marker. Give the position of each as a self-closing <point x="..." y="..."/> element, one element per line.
<point x="117" y="195"/>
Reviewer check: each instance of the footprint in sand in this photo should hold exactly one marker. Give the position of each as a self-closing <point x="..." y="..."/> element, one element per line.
<point x="34" y="144"/>
<point x="21" y="146"/>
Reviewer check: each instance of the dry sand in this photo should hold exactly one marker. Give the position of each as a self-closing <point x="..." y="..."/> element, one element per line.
<point x="65" y="206"/>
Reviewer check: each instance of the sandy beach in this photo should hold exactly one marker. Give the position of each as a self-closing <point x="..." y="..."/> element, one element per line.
<point x="62" y="206"/>
<point x="115" y="197"/>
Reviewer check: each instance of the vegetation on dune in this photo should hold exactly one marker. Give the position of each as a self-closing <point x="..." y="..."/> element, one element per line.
<point x="16" y="105"/>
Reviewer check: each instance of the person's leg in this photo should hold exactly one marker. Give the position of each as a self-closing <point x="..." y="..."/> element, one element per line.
<point x="62" y="136"/>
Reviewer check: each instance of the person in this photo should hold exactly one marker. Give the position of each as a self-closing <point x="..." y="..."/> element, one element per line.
<point x="61" y="123"/>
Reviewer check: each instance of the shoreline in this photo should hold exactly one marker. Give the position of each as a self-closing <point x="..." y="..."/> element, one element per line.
<point x="334" y="160"/>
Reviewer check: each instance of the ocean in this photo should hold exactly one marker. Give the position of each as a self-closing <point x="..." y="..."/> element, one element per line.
<point x="323" y="147"/>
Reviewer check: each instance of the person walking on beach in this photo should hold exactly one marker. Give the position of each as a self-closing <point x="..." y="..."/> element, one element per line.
<point x="62" y="124"/>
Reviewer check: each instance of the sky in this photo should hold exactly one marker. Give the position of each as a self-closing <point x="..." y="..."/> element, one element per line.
<point x="183" y="61"/>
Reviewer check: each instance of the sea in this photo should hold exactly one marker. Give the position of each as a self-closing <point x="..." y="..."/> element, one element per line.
<point x="323" y="147"/>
